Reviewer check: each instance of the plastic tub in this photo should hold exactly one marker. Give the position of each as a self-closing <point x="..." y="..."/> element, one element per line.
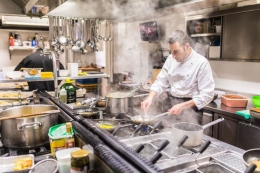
<point x="256" y="101"/>
<point x="63" y="158"/>
<point x="233" y="100"/>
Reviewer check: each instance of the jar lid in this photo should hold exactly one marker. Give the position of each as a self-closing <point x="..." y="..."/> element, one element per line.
<point x="79" y="153"/>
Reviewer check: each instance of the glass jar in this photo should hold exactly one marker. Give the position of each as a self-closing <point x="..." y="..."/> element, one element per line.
<point x="79" y="161"/>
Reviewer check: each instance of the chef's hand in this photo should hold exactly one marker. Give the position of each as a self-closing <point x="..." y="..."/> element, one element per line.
<point x="148" y="101"/>
<point x="146" y="104"/>
<point x="176" y="109"/>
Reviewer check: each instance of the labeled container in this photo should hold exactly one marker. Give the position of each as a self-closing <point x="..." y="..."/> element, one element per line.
<point x="57" y="135"/>
<point x="71" y="91"/>
<point x="233" y="100"/>
<point x="63" y="95"/>
<point x="63" y="157"/>
<point x="79" y="161"/>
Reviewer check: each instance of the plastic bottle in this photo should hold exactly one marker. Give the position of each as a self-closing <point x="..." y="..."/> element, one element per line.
<point x="69" y="141"/>
<point x="63" y="95"/>
<point x="33" y="42"/>
<point x="11" y="39"/>
<point x="71" y="91"/>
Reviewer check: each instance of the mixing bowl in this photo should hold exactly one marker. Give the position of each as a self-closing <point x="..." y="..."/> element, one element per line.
<point x="256" y="101"/>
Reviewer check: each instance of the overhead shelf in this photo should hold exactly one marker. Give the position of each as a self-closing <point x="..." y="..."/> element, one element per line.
<point x="11" y="48"/>
<point x="89" y="76"/>
<point x="205" y="35"/>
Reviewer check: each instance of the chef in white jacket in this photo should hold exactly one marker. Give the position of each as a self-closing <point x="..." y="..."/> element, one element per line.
<point x="188" y="77"/>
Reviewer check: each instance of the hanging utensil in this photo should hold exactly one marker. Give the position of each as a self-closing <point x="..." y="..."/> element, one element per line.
<point x="110" y="32"/>
<point x="75" y="47"/>
<point x="54" y="41"/>
<point x="105" y="33"/>
<point x="98" y="29"/>
<point x="63" y="39"/>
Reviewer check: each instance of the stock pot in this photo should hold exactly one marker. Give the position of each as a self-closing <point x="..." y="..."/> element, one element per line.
<point x="120" y="103"/>
<point x="27" y="132"/>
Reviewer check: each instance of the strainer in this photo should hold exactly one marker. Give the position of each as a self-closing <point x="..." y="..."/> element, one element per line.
<point x="46" y="165"/>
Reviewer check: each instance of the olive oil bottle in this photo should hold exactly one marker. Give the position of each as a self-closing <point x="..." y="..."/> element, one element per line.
<point x="71" y="91"/>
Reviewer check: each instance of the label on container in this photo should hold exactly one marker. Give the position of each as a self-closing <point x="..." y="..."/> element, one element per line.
<point x="79" y="169"/>
<point x="71" y="96"/>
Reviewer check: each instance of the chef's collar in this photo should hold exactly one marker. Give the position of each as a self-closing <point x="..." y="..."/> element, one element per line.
<point x="191" y="53"/>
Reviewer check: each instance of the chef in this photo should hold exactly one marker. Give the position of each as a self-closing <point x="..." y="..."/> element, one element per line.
<point x="36" y="60"/>
<point x="188" y="78"/>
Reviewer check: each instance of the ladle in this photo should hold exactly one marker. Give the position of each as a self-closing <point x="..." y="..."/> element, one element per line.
<point x="63" y="39"/>
<point x="130" y="93"/>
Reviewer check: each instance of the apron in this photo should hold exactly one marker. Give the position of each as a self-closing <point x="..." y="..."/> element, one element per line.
<point x="191" y="115"/>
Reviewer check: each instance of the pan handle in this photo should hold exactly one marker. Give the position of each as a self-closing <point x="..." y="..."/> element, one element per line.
<point x="250" y="169"/>
<point x="213" y="123"/>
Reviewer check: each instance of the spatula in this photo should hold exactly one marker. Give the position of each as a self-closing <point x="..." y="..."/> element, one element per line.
<point x="28" y="115"/>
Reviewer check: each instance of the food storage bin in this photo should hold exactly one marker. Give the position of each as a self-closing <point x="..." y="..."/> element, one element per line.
<point x="233" y="100"/>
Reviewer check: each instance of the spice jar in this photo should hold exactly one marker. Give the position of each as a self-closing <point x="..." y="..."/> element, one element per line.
<point x="79" y="161"/>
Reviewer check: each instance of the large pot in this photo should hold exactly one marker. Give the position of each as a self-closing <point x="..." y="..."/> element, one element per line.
<point x="193" y="131"/>
<point x="27" y="132"/>
<point x="120" y="103"/>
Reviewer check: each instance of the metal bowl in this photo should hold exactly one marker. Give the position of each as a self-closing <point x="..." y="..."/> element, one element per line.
<point x="251" y="155"/>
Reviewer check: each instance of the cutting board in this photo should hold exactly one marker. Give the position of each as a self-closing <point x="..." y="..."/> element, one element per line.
<point x="255" y="109"/>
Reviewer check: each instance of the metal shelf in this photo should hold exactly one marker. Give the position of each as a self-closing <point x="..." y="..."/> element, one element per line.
<point x="50" y="79"/>
<point x="205" y="35"/>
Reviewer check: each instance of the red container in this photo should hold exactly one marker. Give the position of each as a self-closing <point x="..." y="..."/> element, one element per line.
<point x="233" y="100"/>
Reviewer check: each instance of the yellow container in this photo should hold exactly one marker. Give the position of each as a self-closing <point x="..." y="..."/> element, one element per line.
<point x="46" y="75"/>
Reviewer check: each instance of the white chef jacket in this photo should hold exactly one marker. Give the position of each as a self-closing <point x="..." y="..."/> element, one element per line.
<point x="189" y="79"/>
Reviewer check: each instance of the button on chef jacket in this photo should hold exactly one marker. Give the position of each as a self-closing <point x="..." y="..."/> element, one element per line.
<point x="36" y="60"/>
<point x="189" y="79"/>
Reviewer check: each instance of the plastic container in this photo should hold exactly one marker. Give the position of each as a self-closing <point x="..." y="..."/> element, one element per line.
<point x="32" y="73"/>
<point x="13" y="74"/>
<point x="71" y="91"/>
<point x="256" y="101"/>
<point x="46" y="75"/>
<point x="63" y="157"/>
<point x="87" y="81"/>
<point x="218" y="28"/>
<point x="57" y="135"/>
<point x="63" y="73"/>
<point x="73" y="69"/>
<point x="233" y="100"/>
<point x="63" y="95"/>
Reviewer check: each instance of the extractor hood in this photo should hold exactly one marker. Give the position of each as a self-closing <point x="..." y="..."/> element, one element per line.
<point x="113" y="9"/>
<point x="24" y="22"/>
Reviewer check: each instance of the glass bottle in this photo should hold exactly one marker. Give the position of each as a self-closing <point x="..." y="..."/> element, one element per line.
<point x="71" y="91"/>
<point x="69" y="141"/>
<point x="79" y="161"/>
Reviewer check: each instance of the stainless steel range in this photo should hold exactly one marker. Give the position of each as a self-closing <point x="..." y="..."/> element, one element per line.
<point x="218" y="157"/>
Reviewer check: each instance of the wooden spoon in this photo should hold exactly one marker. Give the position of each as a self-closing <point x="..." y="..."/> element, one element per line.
<point x="28" y="115"/>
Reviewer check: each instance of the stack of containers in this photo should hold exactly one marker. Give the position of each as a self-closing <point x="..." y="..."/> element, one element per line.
<point x="91" y="85"/>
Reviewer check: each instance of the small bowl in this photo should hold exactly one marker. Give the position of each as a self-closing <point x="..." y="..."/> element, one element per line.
<point x="14" y="74"/>
<point x="63" y="73"/>
<point x="256" y="101"/>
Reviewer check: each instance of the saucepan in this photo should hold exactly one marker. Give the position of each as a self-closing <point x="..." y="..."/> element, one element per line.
<point x="252" y="157"/>
<point x="146" y="119"/>
<point x="193" y="131"/>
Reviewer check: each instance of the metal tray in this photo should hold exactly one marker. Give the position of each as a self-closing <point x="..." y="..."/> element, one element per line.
<point x="10" y="103"/>
<point x="14" y="95"/>
<point x="7" y="163"/>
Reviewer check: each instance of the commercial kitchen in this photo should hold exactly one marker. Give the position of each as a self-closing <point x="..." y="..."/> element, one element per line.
<point x="112" y="51"/>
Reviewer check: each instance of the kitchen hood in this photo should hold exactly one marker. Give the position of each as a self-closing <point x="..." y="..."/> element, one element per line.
<point x="24" y="22"/>
<point x="113" y="9"/>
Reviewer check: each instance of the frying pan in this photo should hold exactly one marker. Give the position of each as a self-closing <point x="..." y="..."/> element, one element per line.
<point x="252" y="155"/>
<point x="87" y="112"/>
<point x="114" y="124"/>
<point x="193" y="131"/>
<point x="142" y="119"/>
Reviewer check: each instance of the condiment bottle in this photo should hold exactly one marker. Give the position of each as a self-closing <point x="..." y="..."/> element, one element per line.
<point x="79" y="161"/>
<point x="63" y="95"/>
<point x="69" y="141"/>
<point x="11" y="39"/>
<point x="71" y="91"/>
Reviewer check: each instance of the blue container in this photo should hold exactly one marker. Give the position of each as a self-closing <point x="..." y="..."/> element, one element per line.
<point x="87" y="81"/>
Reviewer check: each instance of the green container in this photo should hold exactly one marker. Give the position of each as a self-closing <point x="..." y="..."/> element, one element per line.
<point x="256" y="101"/>
<point x="71" y="91"/>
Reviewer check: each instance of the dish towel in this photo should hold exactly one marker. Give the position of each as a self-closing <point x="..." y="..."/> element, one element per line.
<point x="244" y="113"/>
